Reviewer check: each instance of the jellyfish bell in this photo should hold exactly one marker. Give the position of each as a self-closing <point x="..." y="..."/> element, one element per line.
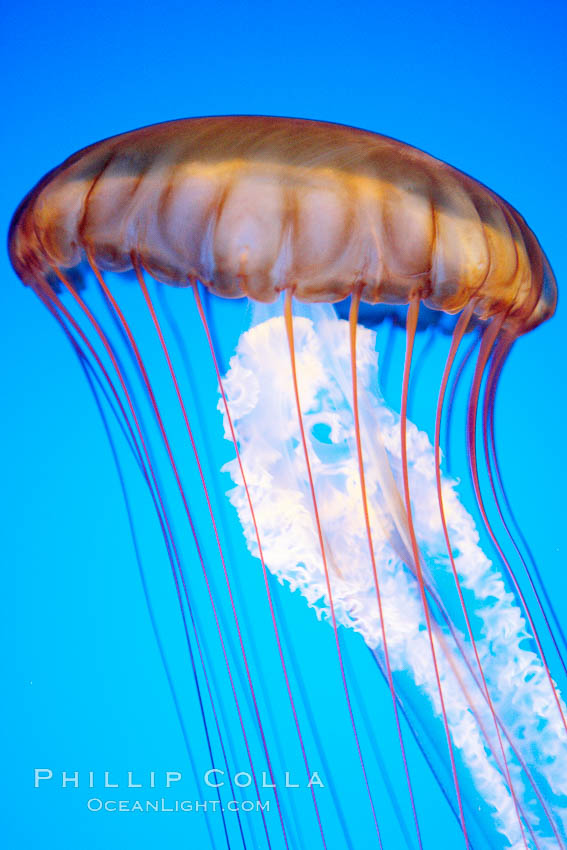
<point x="253" y="206"/>
<point x="337" y="494"/>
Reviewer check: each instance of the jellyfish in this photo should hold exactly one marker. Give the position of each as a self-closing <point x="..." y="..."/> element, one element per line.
<point x="310" y="238"/>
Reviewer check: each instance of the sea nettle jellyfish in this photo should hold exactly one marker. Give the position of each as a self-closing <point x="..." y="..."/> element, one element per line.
<point x="337" y="493"/>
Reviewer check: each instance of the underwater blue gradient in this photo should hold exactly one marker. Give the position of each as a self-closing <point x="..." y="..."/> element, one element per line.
<point x="480" y="85"/>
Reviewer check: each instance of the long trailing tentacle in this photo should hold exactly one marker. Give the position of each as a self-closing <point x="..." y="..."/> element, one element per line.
<point x="260" y="550"/>
<point x="90" y="379"/>
<point x="499" y="358"/>
<point x="112" y="357"/>
<point x="458" y="335"/>
<point x="155" y="320"/>
<point x="465" y="358"/>
<point x="469" y="664"/>
<point x="411" y="326"/>
<point x="441" y="640"/>
<point x="216" y="491"/>
<point x="353" y="321"/>
<point x="288" y="316"/>
<point x="488" y="341"/>
<point x="60" y="312"/>
<point x="493" y="353"/>
<point x="201" y="561"/>
<point x="320" y="744"/>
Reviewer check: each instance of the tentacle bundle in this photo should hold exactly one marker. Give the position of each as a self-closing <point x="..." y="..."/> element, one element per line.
<point x="253" y="205"/>
<point x="493" y="689"/>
